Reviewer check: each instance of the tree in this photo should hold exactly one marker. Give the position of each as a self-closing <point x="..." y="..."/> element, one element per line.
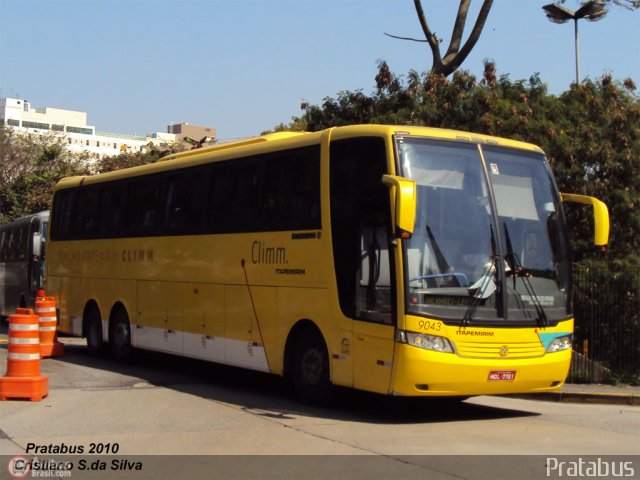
<point x="29" y="168"/>
<point x="151" y="154"/>
<point x="457" y="52"/>
<point x="16" y="152"/>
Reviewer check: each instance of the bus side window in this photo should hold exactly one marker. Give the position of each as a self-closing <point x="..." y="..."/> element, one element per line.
<point x="110" y="216"/>
<point x="85" y="218"/>
<point x="291" y="196"/>
<point x="185" y="195"/>
<point x="12" y="252"/>
<point x="360" y="216"/>
<point x="304" y="191"/>
<point x="143" y="200"/>
<point x="23" y="242"/>
<point x="274" y="208"/>
<point x="3" y="246"/>
<point x="219" y="198"/>
<point x="63" y="203"/>
<point x="248" y="181"/>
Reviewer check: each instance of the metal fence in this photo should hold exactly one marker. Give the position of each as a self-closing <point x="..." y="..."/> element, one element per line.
<point x="606" y="346"/>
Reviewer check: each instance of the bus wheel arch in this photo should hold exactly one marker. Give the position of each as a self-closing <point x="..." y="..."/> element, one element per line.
<point x="92" y="329"/>
<point x="307" y="364"/>
<point x="120" y="333"/>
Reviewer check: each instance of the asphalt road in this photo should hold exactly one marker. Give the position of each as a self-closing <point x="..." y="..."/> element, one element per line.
<point x="163" y="405"/>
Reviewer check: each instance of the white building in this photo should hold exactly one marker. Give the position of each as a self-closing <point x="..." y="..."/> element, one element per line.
<point x="69" y="127"/>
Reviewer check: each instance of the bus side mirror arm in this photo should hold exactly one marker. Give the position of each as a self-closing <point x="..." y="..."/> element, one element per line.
<point x="600" y="217"/>
<point x="404" y="214"/>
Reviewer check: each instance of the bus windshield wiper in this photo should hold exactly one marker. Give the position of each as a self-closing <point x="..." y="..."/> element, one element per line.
<point x="443" y="265"/>
<point x="480" y="289"/>
<point x="518" y="270"/>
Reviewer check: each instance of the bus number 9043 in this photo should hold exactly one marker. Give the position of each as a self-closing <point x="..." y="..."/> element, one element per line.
<point x="430" y="325"/>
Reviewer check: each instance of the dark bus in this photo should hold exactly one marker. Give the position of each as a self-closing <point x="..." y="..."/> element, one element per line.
<point x="22" y="246"/>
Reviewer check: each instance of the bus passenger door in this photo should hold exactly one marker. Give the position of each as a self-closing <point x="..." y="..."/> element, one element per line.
<point x="360" y="230"/>
<point x="373" y="331"/>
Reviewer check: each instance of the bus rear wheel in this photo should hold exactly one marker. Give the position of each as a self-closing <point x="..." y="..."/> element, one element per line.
<point x="93" y="332"/>
<point x="120" y="336"/>
<point x="310" y="370"/>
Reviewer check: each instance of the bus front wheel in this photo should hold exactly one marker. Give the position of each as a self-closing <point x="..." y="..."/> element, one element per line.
<point x="310" y="375"/>
<point x="120" y="336"/>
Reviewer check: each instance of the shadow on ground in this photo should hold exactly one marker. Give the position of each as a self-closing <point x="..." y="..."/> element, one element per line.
<point x="261" y="394"/>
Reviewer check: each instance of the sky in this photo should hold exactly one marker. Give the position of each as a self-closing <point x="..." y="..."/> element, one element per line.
<point x="244" y="66"/>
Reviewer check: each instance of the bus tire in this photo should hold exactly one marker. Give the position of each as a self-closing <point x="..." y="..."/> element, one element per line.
<point x="120" y="336"/>
<point x="93" y="331"/>
<point x="310" y="373"/>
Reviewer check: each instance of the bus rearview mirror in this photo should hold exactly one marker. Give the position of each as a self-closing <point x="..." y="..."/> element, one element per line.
<point x="404" y="192"/>
<point x="600" y="217"/>
<point x="37" y="244"/>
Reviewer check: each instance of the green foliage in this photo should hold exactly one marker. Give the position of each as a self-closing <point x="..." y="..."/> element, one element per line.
<point x="151" y="154"/>
<point x="29" y="169"/>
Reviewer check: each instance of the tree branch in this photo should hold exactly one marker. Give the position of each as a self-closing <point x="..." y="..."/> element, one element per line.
<point x="458" y="29"/>
<point x="472" y="40"/>
<point x="431" y="38"/>
<point x="455" y="55"/>
<point x="405" y="38"/>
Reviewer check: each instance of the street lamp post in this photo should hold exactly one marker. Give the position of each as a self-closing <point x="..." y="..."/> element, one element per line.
<point x="591" y="11"/>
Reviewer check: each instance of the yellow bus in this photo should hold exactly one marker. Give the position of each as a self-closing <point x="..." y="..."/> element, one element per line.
<point x="399" y="260"/>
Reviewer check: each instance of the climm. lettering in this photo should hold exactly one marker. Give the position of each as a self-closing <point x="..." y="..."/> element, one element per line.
<point x="264" y="254"/>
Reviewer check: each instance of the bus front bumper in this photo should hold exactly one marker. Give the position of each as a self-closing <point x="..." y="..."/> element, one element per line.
<point x="419" y="372"/>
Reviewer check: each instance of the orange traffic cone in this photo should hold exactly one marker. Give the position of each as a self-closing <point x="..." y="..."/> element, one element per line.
<point x="46" y="310"/>
<point x="23" y="379"/>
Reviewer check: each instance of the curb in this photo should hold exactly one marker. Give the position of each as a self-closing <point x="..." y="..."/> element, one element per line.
<point x="583" y="397"/>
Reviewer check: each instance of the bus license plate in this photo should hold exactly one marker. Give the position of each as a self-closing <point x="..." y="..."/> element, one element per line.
<point x="502" y="375"/>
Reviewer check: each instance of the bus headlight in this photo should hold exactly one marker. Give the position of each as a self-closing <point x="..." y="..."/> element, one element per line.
<point x="422" y="340"/>
<point x="559" y="344"/>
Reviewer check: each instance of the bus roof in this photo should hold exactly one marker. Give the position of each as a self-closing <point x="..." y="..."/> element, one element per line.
<point x="44" y="215"/>
<point x="279" y="140"/>
<point x="234" y="144"/>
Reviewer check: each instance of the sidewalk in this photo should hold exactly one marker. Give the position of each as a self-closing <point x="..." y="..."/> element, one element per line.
<point x="590" y="393"/>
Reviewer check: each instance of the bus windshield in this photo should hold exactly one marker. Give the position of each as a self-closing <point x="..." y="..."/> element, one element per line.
<point x="489" y="243"/>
